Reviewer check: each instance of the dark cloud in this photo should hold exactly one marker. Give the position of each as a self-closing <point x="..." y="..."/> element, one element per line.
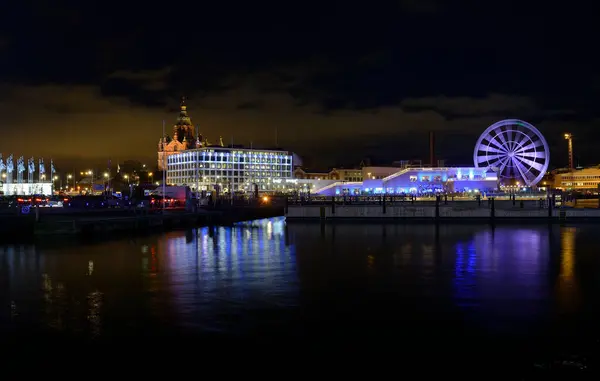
<point x="420" y="6"/>
<point x="348" y="79"/>
<point x="250" y="105"/>
<point x="493" y="104"/>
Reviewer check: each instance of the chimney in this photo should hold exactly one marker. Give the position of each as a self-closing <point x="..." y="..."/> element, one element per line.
<point x="432" y="149"/>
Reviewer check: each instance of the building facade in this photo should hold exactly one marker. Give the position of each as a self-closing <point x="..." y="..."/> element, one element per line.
<point x="184" y="137"/>
<point x="26" y="189"/>
<point x="190" y="159"/>
<point x="585" y="179"/>
<point x="341" y="174"/>
<point x="231" y="169"/>
<point x="420" y="181"/>
<point x="23" y="177"/>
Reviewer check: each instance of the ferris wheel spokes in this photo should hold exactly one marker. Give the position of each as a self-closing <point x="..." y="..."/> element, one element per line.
<point x="532" y="145"/>
<point x="522" y="170"/>
<point x="515" y="149"/>
<point x="533" y="154"/>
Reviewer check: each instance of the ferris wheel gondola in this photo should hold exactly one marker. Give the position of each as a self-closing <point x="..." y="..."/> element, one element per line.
<point x="514" y="149"/>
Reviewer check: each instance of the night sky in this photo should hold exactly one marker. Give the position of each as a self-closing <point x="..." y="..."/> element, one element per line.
<point x="335" y="83"/>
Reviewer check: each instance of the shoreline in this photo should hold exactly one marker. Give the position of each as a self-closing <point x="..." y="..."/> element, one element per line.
<point x="445" y="221"/>
<point x="72" y="225"/>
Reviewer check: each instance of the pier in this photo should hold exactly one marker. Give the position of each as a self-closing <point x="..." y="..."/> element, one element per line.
<point x="44" y="222"/>
<point x="440" y="210"/>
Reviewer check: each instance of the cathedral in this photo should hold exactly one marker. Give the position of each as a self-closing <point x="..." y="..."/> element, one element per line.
<point x="184" y="137"/>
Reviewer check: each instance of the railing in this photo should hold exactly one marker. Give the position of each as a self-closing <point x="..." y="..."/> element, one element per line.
<point x="337" y="183"/>
<point x="411" y="199"/>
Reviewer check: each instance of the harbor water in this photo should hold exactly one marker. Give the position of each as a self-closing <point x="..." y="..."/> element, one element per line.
<point x="528" y="290"/>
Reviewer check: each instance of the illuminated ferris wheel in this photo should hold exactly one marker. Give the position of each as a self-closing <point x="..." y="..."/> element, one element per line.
<point x="515" y="150"/>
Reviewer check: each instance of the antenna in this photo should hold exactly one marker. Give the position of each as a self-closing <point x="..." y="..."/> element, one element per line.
<point x="276" y="137"/>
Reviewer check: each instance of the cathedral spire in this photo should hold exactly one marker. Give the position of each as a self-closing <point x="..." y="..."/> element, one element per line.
<point x="183" y="128"/>
<point x="183" y="119"/>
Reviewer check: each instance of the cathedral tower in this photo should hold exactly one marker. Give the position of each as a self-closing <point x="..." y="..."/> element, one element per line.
<point x="183" y="128"/>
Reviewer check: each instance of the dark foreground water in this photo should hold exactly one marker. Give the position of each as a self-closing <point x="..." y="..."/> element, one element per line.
<point x="509" y="293"/>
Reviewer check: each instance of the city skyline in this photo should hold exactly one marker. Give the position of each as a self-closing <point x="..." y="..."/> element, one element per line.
<point x="365" y="83"/>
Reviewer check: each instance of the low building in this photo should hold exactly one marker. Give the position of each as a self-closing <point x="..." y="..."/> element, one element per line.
<point x="585" y="179"/>
<point x="419" y="181"/>
<point x="377" y="173"/>
<point x="230" y="169"/>
<point x="341" y="174"/>
<point x="26" y="189"/>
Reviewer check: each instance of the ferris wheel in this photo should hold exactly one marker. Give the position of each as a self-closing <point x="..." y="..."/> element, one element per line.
<point x="514" y="149"/>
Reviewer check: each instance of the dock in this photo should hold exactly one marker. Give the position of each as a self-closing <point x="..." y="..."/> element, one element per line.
<point x="488" y="211"/>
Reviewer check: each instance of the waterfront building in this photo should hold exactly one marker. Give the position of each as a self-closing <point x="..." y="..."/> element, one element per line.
<point x="23" y="177"/>
<point x="341" y="174"/>
<point x="190" y="159"/>
<point x="26" y="189"/>
<point x="231" y="169"/>
<point x="378" y="173"/>
<point x="419" y="181"/>
<point x="585" y="179"/>
<point x="184" y="137"/>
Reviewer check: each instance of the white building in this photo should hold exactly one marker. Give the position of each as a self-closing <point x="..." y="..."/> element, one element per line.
<point x="26" y="189"/>
<point x="231" y="169"/>
<point x="417" y="181"/>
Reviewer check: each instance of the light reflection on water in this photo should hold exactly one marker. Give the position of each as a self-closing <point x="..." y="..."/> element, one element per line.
<point x="264" y="277"/>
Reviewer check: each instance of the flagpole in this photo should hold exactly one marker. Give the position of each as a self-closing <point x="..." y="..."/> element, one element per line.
<point x="196" y="165"/>
<point x="164" y="169"/>
<point x="52" y="189"/>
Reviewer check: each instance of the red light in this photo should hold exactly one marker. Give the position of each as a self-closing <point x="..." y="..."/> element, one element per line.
<point x="20" y="200"/>
<point x="38" y="199"/>
<point x="65" y="199"/>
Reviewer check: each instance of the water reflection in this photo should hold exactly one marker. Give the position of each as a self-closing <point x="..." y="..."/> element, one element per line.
<point x="227" y="267"/>
<point x="264" y="276"/>
<point x="568" y="292"/>
<point x="500" y="274"/>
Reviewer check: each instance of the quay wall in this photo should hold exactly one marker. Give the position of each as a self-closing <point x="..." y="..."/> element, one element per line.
<point x="432" y="213"/>
<point x="88" y="222"/>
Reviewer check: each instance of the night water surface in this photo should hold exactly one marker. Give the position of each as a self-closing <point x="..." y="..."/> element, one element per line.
<point x="411" y="285"/>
